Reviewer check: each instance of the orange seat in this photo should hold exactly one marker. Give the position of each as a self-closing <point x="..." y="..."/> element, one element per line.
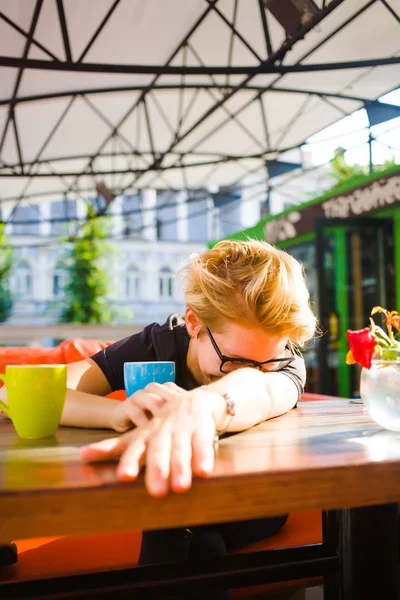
<point x="29" y="356"/>
<point x="67" y="352"/>
<point x="70" y="555"/>
<point x="66" y="555"/>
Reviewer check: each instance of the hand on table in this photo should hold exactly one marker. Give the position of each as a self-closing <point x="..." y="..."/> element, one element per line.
<point x="176" y="443"/>
<point x="137" y="409"/>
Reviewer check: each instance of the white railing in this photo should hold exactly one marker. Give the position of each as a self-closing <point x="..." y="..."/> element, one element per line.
<point x="49" y="335"/>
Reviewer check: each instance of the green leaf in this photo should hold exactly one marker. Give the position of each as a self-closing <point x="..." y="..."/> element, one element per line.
<point x="5" y="269"/>
<point x="87" y="288"/>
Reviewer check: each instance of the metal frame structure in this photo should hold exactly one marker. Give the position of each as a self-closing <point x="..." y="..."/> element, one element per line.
<point x="155" y="163"/>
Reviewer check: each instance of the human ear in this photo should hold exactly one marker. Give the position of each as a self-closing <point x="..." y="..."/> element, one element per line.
<point x="193" y="323"/>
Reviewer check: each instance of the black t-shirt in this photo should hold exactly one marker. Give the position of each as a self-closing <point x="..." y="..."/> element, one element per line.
<point x="168" y="342"/>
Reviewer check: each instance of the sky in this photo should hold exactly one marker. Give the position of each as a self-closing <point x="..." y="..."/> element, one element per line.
<point x="351" y="133"/>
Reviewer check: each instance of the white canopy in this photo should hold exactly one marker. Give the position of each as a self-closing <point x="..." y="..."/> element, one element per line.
<point x="177" y="93"/>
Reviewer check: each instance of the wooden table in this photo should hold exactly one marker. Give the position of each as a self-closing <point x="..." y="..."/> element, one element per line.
<point x="326" y="455"/>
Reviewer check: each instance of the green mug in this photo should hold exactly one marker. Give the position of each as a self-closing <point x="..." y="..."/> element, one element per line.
<point x="35" y="396"/>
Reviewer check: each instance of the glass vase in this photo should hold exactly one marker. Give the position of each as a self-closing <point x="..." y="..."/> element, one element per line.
<point x="380" y="392"/>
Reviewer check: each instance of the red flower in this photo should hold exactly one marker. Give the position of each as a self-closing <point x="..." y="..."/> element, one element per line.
<point x="362" y="344"/>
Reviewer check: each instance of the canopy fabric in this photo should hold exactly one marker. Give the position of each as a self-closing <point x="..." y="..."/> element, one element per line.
<point x="177" y="93"/>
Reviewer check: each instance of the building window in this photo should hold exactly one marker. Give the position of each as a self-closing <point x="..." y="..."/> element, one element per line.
<point x="132" y="216"/>
<point x="132" y="283"/>
<point x="25" y="220"/>
<point x="166" y="283"/>
<point x="22" y="281"/>
<point x="59" y="281"/>
<point x="61" y="212"/>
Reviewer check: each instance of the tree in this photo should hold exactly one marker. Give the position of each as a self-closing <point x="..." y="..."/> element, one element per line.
<point x="343" y="173"/>
<point x="5" y="267"/>
<point x="85" y="293"/>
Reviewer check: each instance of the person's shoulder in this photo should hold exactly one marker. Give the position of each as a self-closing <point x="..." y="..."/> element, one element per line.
<point x="143" y="334"/>
<point x="174" y="322"/>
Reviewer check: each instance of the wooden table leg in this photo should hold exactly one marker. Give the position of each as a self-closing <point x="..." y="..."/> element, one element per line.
<point x="368" y="550"/>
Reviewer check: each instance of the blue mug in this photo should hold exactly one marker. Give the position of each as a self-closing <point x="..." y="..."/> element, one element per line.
<point x="138" y="374"/>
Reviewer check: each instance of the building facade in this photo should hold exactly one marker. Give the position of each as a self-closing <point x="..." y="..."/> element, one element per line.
<point x="143" y="286"/>
<point x="152" y="235"/>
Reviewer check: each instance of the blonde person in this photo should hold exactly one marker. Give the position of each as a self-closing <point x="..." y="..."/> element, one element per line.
<point x="236" y="365"/>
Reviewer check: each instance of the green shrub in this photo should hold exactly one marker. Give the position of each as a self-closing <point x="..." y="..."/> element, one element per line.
<point x="5" y="267"/>
<point x="85" y="295"/>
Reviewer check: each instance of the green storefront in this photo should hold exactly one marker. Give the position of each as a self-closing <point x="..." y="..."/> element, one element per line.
<point x="349" y="243"/>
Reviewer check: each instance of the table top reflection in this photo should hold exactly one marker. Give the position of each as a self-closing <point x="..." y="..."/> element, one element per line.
<point x="323" y="455"/>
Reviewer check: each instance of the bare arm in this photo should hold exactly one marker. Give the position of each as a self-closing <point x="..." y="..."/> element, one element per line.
<point x="85" y="405"/>
<point x="257" y="396"/>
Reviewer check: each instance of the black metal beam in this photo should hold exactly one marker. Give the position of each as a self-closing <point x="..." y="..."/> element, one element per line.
<point x="250" y="70"/>
<point x="162" y="114"/>
<point x="284" y="48"/>
<point x="98" y="30"/>
<point x="265" y="123"/>
<point x="189" y="86"/>
<point x="391" y="10"/>
<point x="231" y="40"/>
<point x="340" y="27"/>
<point x="333" y="105"/>
<point x="5" y="165"/>
<point x="231" y="116"/>
<point x="149" y="129"/>
<point x="264" y="22"/>
<point x="133" y="152"/>
<point x="26" y="35"/>
<point x="189" y="200"/>
<point x="187" y="112"/>
<point x="62" y="192"/>
<point x="293" y="120"/>
<point x="248" y="87"/>
<point x="109" y="124"/>
<point x="17" y="141"/>
<point x="96" y="172"/>
<point x="235" y="32"/>
<point x="117" y="135"/>
<point x="64" y="30"/>
<point x="181" y="580"/>
<point x="328" y="37"/>
<point x="28" y="42"/>
<point x="39" y="154"/>
<point x="53" y="130"/>
<point x="182" y="87"/>
<point x="138" y="102"/>
<point x="277" y="56"/>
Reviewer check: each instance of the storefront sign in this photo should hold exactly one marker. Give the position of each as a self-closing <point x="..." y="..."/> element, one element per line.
<point x="366" y="199"/>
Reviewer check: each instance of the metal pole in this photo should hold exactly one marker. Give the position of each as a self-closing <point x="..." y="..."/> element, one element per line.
<point x="371" y="162"/>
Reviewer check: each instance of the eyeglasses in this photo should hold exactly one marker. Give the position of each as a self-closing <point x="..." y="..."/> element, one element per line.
<point x="229" y="364"/>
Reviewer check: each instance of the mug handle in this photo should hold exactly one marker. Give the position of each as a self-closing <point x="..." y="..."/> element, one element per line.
<point x="2" y="405"/>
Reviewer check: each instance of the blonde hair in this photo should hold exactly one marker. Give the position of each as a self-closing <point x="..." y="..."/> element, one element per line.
<point x="252" y="283"/>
